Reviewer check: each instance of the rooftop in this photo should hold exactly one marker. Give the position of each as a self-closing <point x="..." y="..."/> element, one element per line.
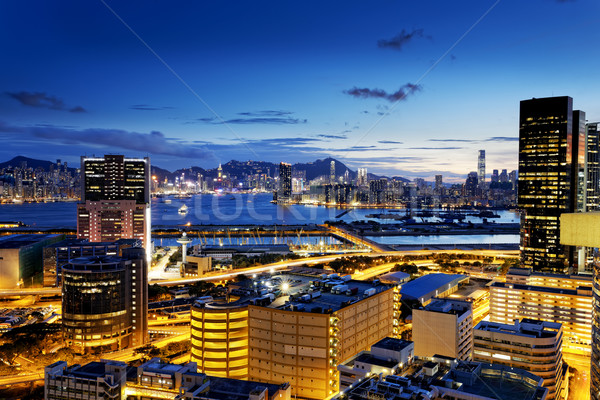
<point x="525" y="327"/>
<point x="545" y="289"/>
<point x="394" y="344"/>
<point x="319" y="300"/>
<point x="428" y="286"/>
<point x="22" y="240"/>
<point x="235" y="389"/>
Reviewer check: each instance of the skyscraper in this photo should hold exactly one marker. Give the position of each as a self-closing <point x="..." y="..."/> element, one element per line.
<point x="115" y="199"/>
<point x="481" y="167"/>
<point x="471" y="184"/>
<point x="285" y="182"/>
<point x="547" y="150"/>
<point x="332" y="172"/>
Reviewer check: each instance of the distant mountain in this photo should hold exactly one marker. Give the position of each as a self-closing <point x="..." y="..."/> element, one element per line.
<point x="235" y="168"/>
<point x="31" y="163"/>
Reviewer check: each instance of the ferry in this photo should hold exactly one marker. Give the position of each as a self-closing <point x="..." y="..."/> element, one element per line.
<point x="183" y="209"/>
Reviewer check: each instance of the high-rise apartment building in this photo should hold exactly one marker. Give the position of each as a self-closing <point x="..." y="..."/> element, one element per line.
<point x="471" y="184"/>
<point x="105" y="301"/>
<point x="115" y="199"/>
<point x="529" y="344"/>
<point x="285" y="182"/>
<point x="439" y="186"/>
<point x="549" y="144"/>
<point x="481" y="167"/>
<point x="444" y="327"/>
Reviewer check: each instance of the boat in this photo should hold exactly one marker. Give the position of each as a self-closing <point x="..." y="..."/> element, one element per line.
<point x="183" y="209"/>
<point x="167" y="201"/>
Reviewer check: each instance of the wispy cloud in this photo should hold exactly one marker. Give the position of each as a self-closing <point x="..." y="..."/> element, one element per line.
<point x="341" y="136"/>
<point x="454" y="140"/>
<point x="43" y="100"/>
<point x="400" y="94"/>
<point x="503" y="139"/>
<point x="436" y="148"/>
<point x="389" y="142"/>
<point x="266" y="113"/>
<point x="153" y="142"/>
<point x="146" y="107"/>
<point x="401" y="39"/>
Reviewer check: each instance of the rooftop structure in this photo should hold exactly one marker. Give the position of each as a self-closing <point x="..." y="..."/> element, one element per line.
<point x="428" y="286"/>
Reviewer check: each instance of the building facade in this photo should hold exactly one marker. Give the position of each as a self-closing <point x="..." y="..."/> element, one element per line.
<point x="532" y="345"/>
<point x="285" y="182"/>
<point x="105" y="301"/>
<point x="115" y="199"/>
<point x="444" y="327"/>
<point x="570" y="307"/>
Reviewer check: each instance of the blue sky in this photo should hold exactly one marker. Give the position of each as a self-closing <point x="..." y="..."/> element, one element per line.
<point x="403" y="88"/>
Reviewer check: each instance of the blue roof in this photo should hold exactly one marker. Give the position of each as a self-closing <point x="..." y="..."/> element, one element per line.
<point x="425" y="287"/>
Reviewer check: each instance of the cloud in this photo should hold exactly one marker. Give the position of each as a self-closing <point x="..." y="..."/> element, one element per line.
<point x="341" y="136"/>
<point x="389" y="142"/>
<point x="254" y="120"/>
<point x="401" y="39"/>
<point x="266" y="113"/>
<point x="146" y="107"/>
<point x="43" y="100"/>
<point x="454" y="140"/>
<point x="359" y="148"/>
<point x="153" y="142"/>
<point x="435" y="148"/>
<point x="503" y="139"/>
<point x="400" y="94"/>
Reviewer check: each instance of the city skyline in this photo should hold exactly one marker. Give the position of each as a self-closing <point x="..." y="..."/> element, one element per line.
<point x="373" y="87"/>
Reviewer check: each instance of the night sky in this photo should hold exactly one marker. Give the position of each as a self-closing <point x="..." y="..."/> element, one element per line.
<point x="410" y="88"/>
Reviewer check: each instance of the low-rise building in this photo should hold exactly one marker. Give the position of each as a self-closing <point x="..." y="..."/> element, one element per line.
<point x="228" y="251"/>
<point x="444" y="327"/>
<point x="532" y="345"/>
<point x="154" y="379"/>
<point x="443" y="379"/>
<point x="21" y="260"/>
<point x="388" y="356"/>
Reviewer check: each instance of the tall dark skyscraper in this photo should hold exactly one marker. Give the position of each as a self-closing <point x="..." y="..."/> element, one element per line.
<point x="550" y="143"/>
<point x="592" y="167"/>
<point x="285" y="182"/>
<point x="115" y="199"/>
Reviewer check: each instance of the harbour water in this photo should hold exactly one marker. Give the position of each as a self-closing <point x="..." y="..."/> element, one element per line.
<point x="246" y="209"/>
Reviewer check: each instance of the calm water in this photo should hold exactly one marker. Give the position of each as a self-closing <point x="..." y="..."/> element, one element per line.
<point x="241" y="209"/>
<point x="446" y="239"/>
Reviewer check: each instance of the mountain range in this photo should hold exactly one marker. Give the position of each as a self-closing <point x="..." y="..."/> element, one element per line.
<point x="240" y="169"/>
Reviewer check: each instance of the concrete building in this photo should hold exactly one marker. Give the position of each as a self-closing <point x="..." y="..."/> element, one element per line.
<point x="388" y="356"/>
<point x="452" y="380"/>
<point x="426" y="287"/>
<point x="583" y="229"/>
<point x="571" y="308"/>
<point x="444" y="327"/>
<point x="21" y="259"/>
<point x="284" y="194"/>
<point x="299" y="337"/>
<point x="526" y="276"/>
<point x="532" y="345"/>
<point x="153" y="379"/>
<point x="105" y="301"/>
<point x="115" y="199"/>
